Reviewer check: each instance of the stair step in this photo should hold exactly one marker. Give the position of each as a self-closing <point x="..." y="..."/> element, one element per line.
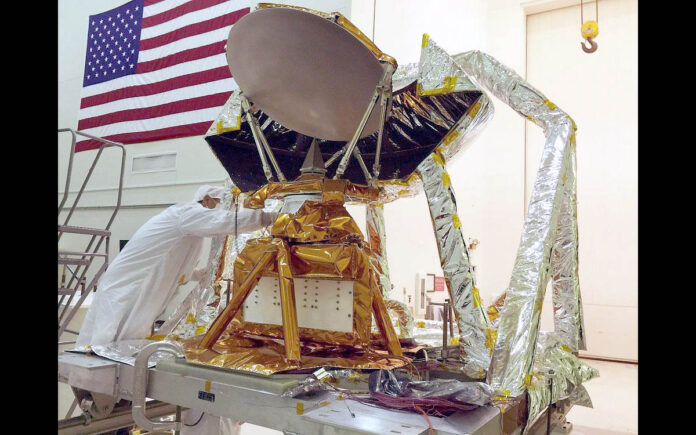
<point x="88" y="254"/>
<point x="74" y="261"/>
<point x="65" y="291"/>
<point x="83" y="230"/>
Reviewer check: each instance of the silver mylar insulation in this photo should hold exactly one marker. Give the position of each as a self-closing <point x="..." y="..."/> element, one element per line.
<point x="472" y="321"/>
<point x="404" y="317"/>
<point x="439" y="73"/>
<point x="376" y="236"/>
<point x="567" y="303"/>
<point x="568" y="375"/>
<point x="230" y="117"/>
<point x="513" y="353"/>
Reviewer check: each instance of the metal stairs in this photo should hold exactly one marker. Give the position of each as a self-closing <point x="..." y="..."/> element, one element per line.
<point x="77" y="266"/>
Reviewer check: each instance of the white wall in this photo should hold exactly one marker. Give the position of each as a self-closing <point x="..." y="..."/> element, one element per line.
<point x="600" y="92"/>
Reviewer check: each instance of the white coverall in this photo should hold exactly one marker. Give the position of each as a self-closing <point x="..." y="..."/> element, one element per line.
<point x="141" y="280"/>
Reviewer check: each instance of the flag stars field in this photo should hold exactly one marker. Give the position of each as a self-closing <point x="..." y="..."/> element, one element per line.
<point x="161" y="70"/>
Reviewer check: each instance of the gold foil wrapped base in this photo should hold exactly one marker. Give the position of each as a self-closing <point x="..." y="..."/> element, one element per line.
<point x="267" y="356"/>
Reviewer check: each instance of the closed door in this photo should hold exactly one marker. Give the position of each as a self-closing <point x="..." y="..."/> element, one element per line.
<point x="600" y="92"/>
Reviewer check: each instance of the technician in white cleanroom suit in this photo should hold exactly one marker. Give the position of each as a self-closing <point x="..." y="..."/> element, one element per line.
<point x="141" y="280"/>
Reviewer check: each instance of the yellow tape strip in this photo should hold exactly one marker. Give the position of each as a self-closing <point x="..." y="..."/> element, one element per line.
<point x="474" y="110"/>
<point x="207" y="386"/>
<point x="550" y="105"/>
<point x="221" y="129"/>
<point x="477" y="297"/>
<point x="438" y="159"/>
<point x="527" y="380"/>
<point x="457" y="222"/>
<point x="491" y="336"/>
<point x="446" y="179"/>
<point x="448" y="85"/>
<point x="449" y="137"/>
<point x="425" y="40"/>
<point x="299" y="408"/>
<point x="493" y="312"/>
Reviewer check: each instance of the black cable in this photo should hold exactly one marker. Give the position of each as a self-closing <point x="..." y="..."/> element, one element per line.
<point x="236" y="208"/>
<point x="199" y="420"/>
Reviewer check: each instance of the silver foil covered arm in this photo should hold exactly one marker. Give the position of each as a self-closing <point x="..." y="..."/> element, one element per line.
<point x="514" y="350"/>
<point x="440" y="74"/>
<point x="567" y="303"/>
<point x="376" y="234"/>
<point x="472" y="321"/>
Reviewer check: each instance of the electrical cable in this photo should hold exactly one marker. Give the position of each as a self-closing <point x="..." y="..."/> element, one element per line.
<point x="199" y="420"/>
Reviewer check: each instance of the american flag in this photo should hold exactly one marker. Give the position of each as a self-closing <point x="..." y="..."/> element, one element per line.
<point x="156" y="69"/>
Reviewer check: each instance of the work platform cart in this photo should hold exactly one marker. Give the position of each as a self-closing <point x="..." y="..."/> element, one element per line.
<point x="174" y="383"/>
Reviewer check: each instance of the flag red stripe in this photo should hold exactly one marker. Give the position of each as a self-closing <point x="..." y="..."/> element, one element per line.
<point x="151" y="2"/>
<point x="182" y="81"/>
<point x="178" y="11"/>
<point x="196" y="129"/>
<point x="181" y="57"/>
<point x="193" y="29"/>
<point x="187" y="105"/>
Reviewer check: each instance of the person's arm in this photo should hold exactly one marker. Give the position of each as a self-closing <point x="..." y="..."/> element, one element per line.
<point x="200" y="221"/>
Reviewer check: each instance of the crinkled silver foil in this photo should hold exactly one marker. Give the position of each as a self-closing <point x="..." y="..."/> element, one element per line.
<point x="404" y="317"/>
<point x="456" y="266"/>
<point x="493" y="312"/>
<point x="125" y="351"/>
<point x="434" y="66"/>
<point x="467" y="128"/>
<point x="568" y="375"/>
<point x="438" y="72"/>
<point x="308" y="385"/>
<point x="391" y="191"/>
<point x="475" y="393"/>
<point x="519" y="318"/>
<point x="404" y="75"/>
<point x="229" y="118"/>
<point x="567" y="303"/>
<point x="429" y="333"/>
<point x="377" y="238"/>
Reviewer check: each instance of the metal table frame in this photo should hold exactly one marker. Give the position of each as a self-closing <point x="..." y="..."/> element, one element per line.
<point x="231" y="394"/>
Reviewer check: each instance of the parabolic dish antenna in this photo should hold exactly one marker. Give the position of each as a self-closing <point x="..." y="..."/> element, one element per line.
<point x="305" y="71"/>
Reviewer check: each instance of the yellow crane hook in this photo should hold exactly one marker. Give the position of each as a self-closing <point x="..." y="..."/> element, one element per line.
<point x="589" y="30"/>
